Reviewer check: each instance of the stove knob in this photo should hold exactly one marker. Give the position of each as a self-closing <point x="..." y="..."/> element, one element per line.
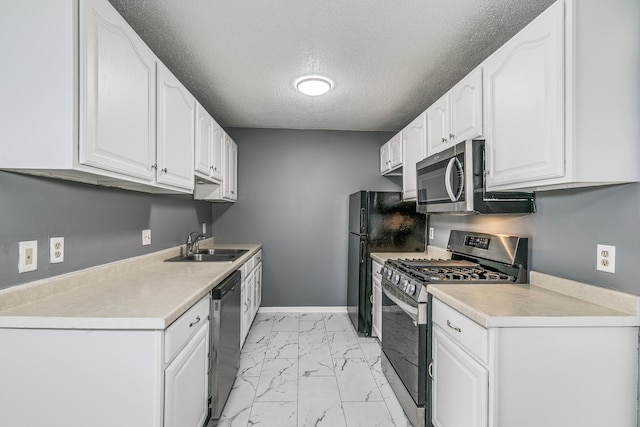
<point x="404" y="284"/>
<point x="411" y="289"/>
<point x="396" y="279"/>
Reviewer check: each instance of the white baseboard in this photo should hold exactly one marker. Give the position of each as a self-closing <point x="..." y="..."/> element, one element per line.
<point x="330" y="309"/>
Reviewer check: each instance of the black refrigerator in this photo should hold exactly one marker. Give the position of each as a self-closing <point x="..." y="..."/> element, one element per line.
<point x="378" y="222"/>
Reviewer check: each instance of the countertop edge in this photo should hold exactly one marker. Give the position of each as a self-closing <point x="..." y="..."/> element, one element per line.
<point x="22" y="295"/>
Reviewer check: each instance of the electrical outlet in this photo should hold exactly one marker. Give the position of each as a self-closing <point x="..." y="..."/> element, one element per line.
<point x="27" y="256"/>
<point x="146" y="237"/>
<point x="431" y="233"/>
<point x="606" y="258"/>
<point x="204" y="228"/>
<point x="56" y="250"/>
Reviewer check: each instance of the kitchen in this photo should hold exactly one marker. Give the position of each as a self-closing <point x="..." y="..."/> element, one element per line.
<point x="299" y="214"/>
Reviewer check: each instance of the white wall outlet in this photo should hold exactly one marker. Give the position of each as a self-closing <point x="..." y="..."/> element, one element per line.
<point x="204" y="228"/>
<point x="431" y="233"/>
<point x="146" y="237"/>
<point x="606" y="258"/>
<point x="56" y="250"/>
<point x="27" y="256"/>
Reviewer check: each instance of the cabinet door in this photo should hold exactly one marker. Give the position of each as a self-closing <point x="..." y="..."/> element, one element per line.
<point x="117" y="94"/>
<point x="385" y="160"/>
<point x="217" y="157"/>
<point x="395" y="150"/>
<point x="176" y="131"/>
<point x="243" y="310"/>
<point x="258" y="287"/>
<point x="229" y="183"/>
<point x="460" y="389"/>
<point x="377" y="308"/>
<point x="203" y="163"/>
<point x="466" y="107"/>
<point x="438" y="126"/>
<point x="186" y="384"/>
<point x="251" y="282"/>
<point x="524" y="106"/>
<point x="415" y="145"/>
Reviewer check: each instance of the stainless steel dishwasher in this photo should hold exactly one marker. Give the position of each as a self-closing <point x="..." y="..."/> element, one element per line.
<point x="224" y="352"/>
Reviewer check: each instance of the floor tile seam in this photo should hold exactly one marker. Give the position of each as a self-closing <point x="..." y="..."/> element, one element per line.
<point x="333" y="365"/>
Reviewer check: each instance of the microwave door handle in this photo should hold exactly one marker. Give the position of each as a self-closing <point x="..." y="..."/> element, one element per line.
<point x="453" y="163"/>
<point x="447" y="179"/>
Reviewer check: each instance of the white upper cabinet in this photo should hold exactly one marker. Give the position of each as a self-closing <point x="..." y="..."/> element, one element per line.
<point x="391" y="155"/>
<point x="385" y="159"/>
<point x="225" y="163"/>
<point x="204" y="142"/>
<point x="208" y="151"/>
<point x="229" y="184"/>
<point x="119" y="126"/>
<point x="466" y="108"/>
<point x="176" y="131"/>
<point x="438" y="126"/>
<point x="457" y="115"/>
<point x="561" y="99"/>
<point x="415" y="147"/>
<point x="525" y="104"/>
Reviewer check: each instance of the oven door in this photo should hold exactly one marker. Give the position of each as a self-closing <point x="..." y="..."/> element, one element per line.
<point x="404" y="331"/>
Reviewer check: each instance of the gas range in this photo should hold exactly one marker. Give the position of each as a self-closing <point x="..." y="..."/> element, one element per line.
<point x="406" y="320"/>
<point x="476" y="258"/>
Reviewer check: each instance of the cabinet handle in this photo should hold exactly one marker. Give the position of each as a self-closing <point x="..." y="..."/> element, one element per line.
<point x="155" y="166"/>
<point x="196" y="321"/>
<point x="371" y="298"/>
<point x="164" y="170"/>
<point x="451" y="135"/>
<point x="449" y="324"/>
<point x="444" y="139"/>
<point x="430" y="370"/>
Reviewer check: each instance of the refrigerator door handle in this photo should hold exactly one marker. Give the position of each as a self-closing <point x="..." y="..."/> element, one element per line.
<point x="362" y="251"/>
<point x="363" y="212"/>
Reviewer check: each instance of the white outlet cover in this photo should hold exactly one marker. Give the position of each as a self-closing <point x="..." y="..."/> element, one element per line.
<point x="606" y="255"/>
<point x="431" y="232"/>
<point x="27" y="256"/>
<point x="146" y="237"/>
<point x="204" y="228"/>
<point x="56" y="250"/>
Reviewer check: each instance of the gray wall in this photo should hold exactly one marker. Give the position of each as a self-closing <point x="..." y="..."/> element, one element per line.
<point x="99" y="224"/>
<point x="293" y="189"/>
<point x="565" y="230"/>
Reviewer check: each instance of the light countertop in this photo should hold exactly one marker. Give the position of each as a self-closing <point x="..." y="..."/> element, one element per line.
<point x="138" y="293"/>
<point x="547" y="302"/>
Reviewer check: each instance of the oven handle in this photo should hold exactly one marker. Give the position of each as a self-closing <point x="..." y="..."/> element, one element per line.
<point x="411" y="311"/>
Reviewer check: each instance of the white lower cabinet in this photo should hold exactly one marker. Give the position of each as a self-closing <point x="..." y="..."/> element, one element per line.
<point x="376" y="300"/>
<point x="250" y="293"/>
<point x="107" y="377"/>
<point x="186" y="384"/>
<point x="461" y="386"/>
<point x="531" y="376"/>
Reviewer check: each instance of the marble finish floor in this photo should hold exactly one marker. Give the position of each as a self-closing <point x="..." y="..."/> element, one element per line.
<point x="311" y="370"/>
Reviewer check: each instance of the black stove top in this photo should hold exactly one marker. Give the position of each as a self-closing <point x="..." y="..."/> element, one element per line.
<point x="475" y="258"/>
<point x="458" y="271"/>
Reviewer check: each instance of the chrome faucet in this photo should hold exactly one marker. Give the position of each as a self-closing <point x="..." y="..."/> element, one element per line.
<point x="193" y="245"/>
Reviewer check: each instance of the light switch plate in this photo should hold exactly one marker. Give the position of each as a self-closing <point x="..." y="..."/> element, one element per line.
<point x="204" y="228"/>
<point x="146" y="237"/>
<point x="27" y="256"/>
<point x="56" y="250"/>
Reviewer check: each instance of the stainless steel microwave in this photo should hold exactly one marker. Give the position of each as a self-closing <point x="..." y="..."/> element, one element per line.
<point x="453" y="181"/>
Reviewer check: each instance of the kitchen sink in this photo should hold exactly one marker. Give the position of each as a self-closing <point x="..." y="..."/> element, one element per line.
<point x="211" y="255"/>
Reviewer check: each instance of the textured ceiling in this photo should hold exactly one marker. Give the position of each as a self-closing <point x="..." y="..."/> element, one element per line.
<point x="389" y="59"/>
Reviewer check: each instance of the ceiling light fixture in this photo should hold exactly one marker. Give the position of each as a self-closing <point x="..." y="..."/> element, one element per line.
<point x="314" y="85"/>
